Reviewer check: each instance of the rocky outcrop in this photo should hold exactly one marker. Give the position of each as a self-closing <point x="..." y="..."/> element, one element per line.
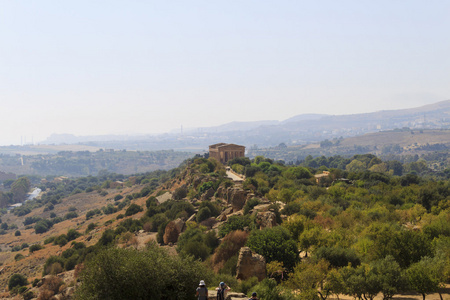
<point x="208" y="194"/>
<point x="250" y="264"/>
<point x="220" y="192"/>
<point x="266" y="219"/>
<point x="224" y="215"/>
<point x="236" y="197"/>
<point x="261" y="207"/>
<point x="173" y="231"/>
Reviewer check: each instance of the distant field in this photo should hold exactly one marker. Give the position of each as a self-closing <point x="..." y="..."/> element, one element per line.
<point x="385" y="143"/>
<point x="45" y="149"/>
<point x="402" y="138"/>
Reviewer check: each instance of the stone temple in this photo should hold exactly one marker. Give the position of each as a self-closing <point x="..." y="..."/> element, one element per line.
<point x="224" y="152"/>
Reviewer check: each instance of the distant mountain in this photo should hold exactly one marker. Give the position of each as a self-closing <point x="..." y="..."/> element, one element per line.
<point x="304" y="117"/>
<point x="237" y="126"/>
<point x="298" y="130"/>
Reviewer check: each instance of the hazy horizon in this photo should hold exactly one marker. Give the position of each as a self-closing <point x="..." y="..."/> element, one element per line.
<point x="96" y="68"/>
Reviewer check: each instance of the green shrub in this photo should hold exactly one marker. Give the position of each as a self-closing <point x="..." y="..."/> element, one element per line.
<point x="92" y="213"/>
<point x="234" y="223"/>
<point x="203" y="214"/>
<point x="205" y="186"/>
<point x="72" y="234"/>
<point x="157" y="220"/>
<point x="70" y="215"/>
<point x="90" y="227"/>
<point x="43" y="226"/>
<point x="17" y="233"/>
<point x="133" y="209"/>
<point x="180" y="193"/>
<point x="109" y="209"/>
<point x="130" y="274"/>
<point x="250" y="204"/>
<point x="151" y="201"/>
<point x="61" y="240"/>
<point x="17" y="280"/>
<point x="338" y="257"/>
<point x="53" y="265"/>
<point x="35" y="247"/>
<point x="18" y="256"/>
<point x="49" y="240"/>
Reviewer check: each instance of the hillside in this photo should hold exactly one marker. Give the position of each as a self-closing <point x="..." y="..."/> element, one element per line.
<point x="84" y="163"/>
<point x="400" y="144"/>
<point x="351" y="220"/>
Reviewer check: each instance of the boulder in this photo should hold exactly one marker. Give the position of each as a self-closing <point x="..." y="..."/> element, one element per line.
<point x="261" y="207"/>
<point x="208" y="194"/>
<point x="220" y="192"/>
<point x="173" y="231"/>
<point x="266" y="219"/>
<point x="223" y="216"/>
<point x="237" y="198"/>
<point x="250" y="264"/>
<point x="180" y="224"/>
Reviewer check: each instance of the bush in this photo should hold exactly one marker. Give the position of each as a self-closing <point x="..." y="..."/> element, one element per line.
<point x="17" y="280"/>
<point x="92" y="213"/>
<point x="72" y="234"/>
<point x="35" y="247"/>
<point x="90" y="227"/>
<point x="205" y="186"/>
<point x="61" y="240"/>
<point x="118" y="197"/>
<point x="268" y="289"/>
<point x="133" y="209"/>
<point x="180" y="193"/>
<point x="19" y="256"/>
<point x="107" y="238"/>
<point x="157" y="220"/>
<point x="234" y="223"/>
<point x="130" y="274"/>
<point x="109" y="209"/>
<point x="230" y="246"/>
<point x="53" y="265"/>
<point x="49" y="240"/>
<point x="250" y="204"/>
<point x="17" y="233"/>
<point x="50" y="287"/>
<point x="338" y="257"/>
<point x="203" y="214"/>
<point x="196" y="243"/>
<point x="30" y="220"/>
<point x="43" y="226"/>
<point x="70" y="215"/>
<point x="151" y="201"/>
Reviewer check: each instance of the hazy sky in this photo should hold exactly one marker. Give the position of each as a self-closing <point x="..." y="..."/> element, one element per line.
<point x="129" y="67"/>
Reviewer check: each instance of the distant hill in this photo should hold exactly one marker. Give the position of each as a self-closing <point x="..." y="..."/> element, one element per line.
<point x="404" y="144"/>
<point x="298" y="130"/>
